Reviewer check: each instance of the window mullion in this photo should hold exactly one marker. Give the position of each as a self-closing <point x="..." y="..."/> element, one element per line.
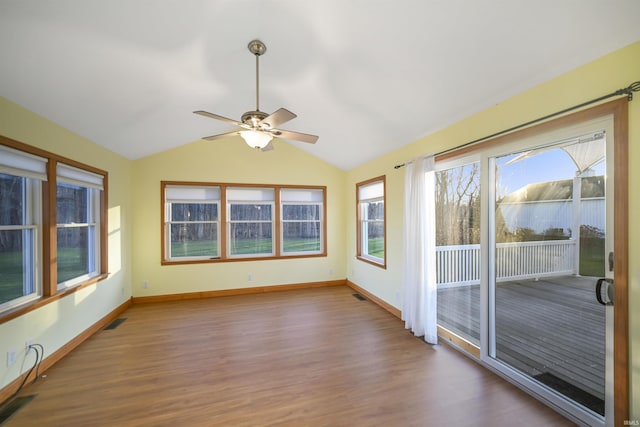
<point x="276" y="224"/>
<point x="49" y="232"/>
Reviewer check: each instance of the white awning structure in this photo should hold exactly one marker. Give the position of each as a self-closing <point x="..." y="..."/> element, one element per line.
<point x="585" y="151"/>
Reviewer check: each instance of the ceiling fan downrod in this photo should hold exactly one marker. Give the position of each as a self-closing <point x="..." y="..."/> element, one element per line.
<point x="257" y="48"/>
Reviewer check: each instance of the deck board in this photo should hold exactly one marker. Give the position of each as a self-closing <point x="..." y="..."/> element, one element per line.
<point x="550" y="325"/>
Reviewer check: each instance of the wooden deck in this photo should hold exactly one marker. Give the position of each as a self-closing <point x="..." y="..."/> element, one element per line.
<point x="552" y="329"/>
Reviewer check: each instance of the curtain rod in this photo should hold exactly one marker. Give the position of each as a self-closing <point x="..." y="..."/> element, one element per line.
<point x="633" y="87"/>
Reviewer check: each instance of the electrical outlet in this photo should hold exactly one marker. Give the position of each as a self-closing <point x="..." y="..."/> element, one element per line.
<point x="145" y="284"/>
<point x="249" y="277"/>
<point x="28" y="344"/>
<point x="11" y="357"/>
<point x="331" y="272"/>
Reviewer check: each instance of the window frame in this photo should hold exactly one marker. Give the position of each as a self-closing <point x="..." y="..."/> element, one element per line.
<point x="361" y="222"/>
<point x="270" y="201"/>
<point x="93" y="237"/>
<point x="46" y="229"/>
<point x="320" y="221"/>
<point x="225" y="222"/>
<point x="618" y="110"/>
<point x="32" y="225"/>
<point x="169" y="221"/>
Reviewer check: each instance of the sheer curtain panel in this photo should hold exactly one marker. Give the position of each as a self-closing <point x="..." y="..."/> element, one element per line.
<point x="419" y="290"/>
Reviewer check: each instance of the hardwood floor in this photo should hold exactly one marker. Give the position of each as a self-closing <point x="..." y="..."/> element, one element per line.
<point x="316" y="357"/>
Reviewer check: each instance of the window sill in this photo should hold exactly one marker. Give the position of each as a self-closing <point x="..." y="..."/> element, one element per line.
<point x="382" y="265"/>
<point x="42" y="301"/>
<point x="218" y="260"/>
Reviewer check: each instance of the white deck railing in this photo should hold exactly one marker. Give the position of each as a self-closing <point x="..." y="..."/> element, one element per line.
<point x="460" y="265"/>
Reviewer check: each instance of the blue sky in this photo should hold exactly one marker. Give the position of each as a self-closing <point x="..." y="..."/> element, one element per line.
<point x="551" y="165"/>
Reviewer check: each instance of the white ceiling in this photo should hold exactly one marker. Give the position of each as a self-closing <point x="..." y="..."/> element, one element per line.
<point x="367" y="76"/>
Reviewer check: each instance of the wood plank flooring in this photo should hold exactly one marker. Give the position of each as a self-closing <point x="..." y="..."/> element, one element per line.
<point x="316" y="357"/>
<point x="548" y="326"/>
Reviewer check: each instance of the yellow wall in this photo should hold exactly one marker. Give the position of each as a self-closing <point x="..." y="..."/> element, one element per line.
<point x="58" y="322"/>
<point x="605" y="75"/>
<point x="233" y="162"/>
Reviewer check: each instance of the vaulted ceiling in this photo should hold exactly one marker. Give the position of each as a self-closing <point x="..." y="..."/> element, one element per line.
<point x="367" y="76"/>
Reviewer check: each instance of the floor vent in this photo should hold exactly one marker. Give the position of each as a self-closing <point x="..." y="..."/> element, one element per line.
<point x="360" y="297"/>
<point x="116" y="323"/>
<point x="584" y="398"/>
<point x="14" y="406"/>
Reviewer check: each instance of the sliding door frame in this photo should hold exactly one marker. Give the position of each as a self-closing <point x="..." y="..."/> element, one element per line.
<point x="618" y="109"/>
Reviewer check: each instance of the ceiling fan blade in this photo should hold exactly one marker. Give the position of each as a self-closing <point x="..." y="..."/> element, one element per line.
<point x="268" y="147"/>
<point x="297" y="136"/>
<point x="221" y="135"/>
<point x="277" y="118"/>
<point x="222" y="118"/>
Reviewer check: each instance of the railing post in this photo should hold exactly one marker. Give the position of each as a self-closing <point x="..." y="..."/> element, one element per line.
<point x="575" y="232"/>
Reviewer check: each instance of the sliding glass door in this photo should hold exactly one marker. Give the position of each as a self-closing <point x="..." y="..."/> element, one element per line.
<point x="525" y="262"/>
<point x="458" y="262"/>
<point x="550" y="236"/>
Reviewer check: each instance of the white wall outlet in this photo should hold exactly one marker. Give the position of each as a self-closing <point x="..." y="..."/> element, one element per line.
<point x="11" y="357"/>
<point x="145" y="284"/>
<point x="28" y="344"/>
<point x="249" y="277"/>
<point x="331" y="272"/>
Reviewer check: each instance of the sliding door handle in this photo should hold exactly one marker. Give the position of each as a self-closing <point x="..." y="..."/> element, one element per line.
<point x="608" y="283"/>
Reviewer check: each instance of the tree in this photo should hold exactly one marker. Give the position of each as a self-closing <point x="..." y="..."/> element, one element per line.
<point x="458" y="205"/>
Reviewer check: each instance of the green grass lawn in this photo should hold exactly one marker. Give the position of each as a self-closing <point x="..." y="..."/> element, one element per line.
<point x="194" y="249"/>
<point x="376" y="247"/>
<point x="592" y="259"/>
<point x="71" y="263"/>
<point x="10" y="276"/>
<point x="301" y="245"/>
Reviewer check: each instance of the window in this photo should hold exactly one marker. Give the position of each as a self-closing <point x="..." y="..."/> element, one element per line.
<point x="39" y="189"/>
<point x="193" y="222"/>
<point x="78" y="216"/>
<point x="250" y="213"/>
<point x="371" y="221"/>
<point x="301" y="221"/>
<point x="20" y="225"/>
<point x="257" y="222"/>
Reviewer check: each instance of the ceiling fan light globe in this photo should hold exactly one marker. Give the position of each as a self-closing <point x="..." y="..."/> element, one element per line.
<point x="256" y="139"/>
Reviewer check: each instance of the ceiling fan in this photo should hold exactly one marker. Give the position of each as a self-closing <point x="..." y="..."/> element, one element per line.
<point x="259" y="128"/>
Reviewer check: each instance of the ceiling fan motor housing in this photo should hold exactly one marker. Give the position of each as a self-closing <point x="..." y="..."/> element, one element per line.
<point x="253" y="119"/>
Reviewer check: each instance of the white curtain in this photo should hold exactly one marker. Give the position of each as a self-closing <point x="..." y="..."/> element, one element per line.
<point x="419" y="289"/>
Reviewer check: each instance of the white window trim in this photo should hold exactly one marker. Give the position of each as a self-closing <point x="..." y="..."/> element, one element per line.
<point x="30" y="168"/>
<point x="369" y="192"/>
<point x="230" y="222"/>
<point x="169" y="222"/>
<point x="93" y="230"/>
<point x="283" y="221"/>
